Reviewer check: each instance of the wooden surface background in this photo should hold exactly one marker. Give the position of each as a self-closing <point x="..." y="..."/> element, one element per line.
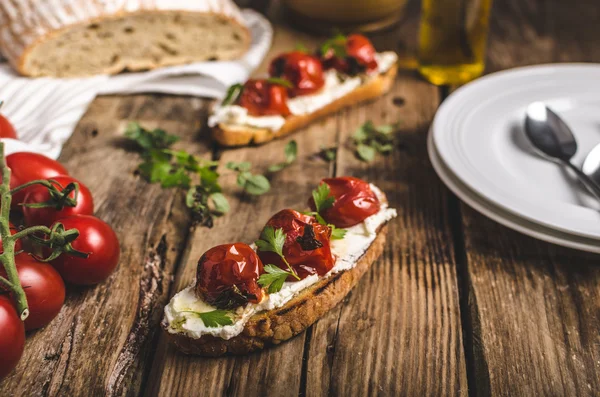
<point x="457" y="304"/>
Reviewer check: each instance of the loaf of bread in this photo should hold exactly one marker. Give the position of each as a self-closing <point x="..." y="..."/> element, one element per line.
<point x="70" y="38"/>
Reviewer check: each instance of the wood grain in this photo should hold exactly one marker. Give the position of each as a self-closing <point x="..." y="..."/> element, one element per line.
<point x="101" y="343"/>
<point x="534" y="308"/>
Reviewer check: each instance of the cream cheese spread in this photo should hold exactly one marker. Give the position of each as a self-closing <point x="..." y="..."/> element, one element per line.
<point x="334" y="88"/>
<point x="348" y="251"/>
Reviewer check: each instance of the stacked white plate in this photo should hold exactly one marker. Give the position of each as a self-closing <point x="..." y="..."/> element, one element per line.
<point x="479" y="149"/>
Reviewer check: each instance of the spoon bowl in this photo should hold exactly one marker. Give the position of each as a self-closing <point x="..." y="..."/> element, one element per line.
<point x="553" y="139"/>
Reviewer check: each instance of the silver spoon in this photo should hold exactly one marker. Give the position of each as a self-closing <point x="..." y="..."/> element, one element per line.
<point x="551" y="136"/>
<point x="591" y="164"/>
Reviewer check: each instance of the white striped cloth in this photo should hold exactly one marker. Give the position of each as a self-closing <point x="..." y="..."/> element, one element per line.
<point x="45" y="111"/>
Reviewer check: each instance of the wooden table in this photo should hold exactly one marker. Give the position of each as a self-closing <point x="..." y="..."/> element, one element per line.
<point x="457" y="304"/>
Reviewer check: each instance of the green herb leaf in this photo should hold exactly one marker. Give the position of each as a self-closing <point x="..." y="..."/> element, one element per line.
<point x="365" y="153"/>
<point x="149" y="139"/>
<point x="322" y="198"/>
<point x="257" y="185"/>
<point x="280" y="81"/>
<point x="242" y="166"/>
<point x="220" y="203"/>
<point x="291" y="153"/>
<point x="337" y="44"/>
<point x="215" y="318"/>
<point x="273" y="279"/>
<point x="337" y="233"/>
<point x="271" y="240"/>
<point x="233" y="93"/>
<point x="328" y="154"/>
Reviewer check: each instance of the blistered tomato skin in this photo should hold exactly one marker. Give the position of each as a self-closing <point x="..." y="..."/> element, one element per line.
<point x="304" y="262"/>
<point x="227" y="276"/>
<point x="354" y="201"/>
<point x="262" y="98"/>
<point x="360" y="56"/>
<point x="304" y="71"/>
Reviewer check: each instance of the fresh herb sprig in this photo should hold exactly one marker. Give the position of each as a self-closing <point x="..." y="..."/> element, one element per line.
<point x="180" y="169"/>
<point x="254" y="184"/>
<point x="215" y="318"/>
<point x="370" y="140"/>
<point x="337" y="44"/>
<point x="324" y="200"/>
<point x="233" y="93"/>
<point x="328" y="153"/>
<point x="291" y="153"/>
<point x="272" y="240"/>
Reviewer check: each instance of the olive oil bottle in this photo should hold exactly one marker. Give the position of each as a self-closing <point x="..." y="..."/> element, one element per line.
<point x="452" y="40"/>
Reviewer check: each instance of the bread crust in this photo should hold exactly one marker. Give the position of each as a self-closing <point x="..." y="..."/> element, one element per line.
<point x="228" y="135"/>
<point x="275" y="326"/>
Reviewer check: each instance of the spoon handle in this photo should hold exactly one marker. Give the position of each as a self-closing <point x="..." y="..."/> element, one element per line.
<point x="586" y="180"/>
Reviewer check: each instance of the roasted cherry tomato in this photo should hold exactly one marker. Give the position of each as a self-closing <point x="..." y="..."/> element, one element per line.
<point x="26" y="167"/>
<point x="354" y="201"/>
<point x="48" y="215"/>
<point x="6" y="128"/>
<point x="304" y="71"/>
<point x="12" y="336"/>
<point x="359" y="56"/>
<point x="263" y="98"/>
<point x="44" y="288"/>
<point x="307" y="244"/>
<point x="227" y="276"/>
<point x="18" y="245"/>
<point x="97" y="239"/>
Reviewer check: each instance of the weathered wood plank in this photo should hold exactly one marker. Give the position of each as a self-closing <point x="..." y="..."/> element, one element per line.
<point x="399" y="332"/>
<point x="101" y="342"/>
<point x="534" y="307"/>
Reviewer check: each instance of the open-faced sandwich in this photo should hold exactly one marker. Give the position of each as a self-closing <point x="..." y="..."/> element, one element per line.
<point x="247" y="297"/>
<point x="302" y="87"/>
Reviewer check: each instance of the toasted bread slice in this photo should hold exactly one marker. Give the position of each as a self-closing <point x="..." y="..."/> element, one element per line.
<point x="233" y="135"/>
<point x="275" y="326"/>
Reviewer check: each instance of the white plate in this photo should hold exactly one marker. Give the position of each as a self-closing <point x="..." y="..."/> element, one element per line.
<point x="478" y="134"/>
<point x="501" y="216"/>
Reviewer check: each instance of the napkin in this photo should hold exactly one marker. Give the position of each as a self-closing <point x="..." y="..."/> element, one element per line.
<point x="45" y="111"/>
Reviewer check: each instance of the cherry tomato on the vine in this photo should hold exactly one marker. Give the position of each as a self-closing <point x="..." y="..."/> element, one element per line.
<point x="26" y="167"/>
<point x="48" y="215"/>
<point x="44" y="288"/>
<point x="12" y="337"/>
<point x="18" y="244"/>
<point x="227" y="276"/>
<point x="6" y="128"/>
<point x="97" y="239"/>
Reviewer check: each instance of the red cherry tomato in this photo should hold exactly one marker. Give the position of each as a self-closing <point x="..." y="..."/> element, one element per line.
<point x="48" y="215"/>
<point x="12" y="337"/>
<point x="26" y="167"/>
<point x="227" y="276"/>
<point x="18" y="244"/>
<point x="98" y="240"/>
<point x="304" y="261"/>
<point x="360" y="56"/>
<point x="304" y="71"/>
<point x="44" y="288"/>
<point x="6" y="128"/>
<point x="354" y="201"/>
<point x="262" y="98"/>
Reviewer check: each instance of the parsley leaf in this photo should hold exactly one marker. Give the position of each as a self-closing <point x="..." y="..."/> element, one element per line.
<point x="370" y="140"/>
<point x="177" y="169"/>
<point x="336" y="44"/>
<point x="253" y="184"/>
<point x="337" y="233"/>
<point x="271" y="240"/>
<point x="233" y="93"/>
<point x="322" y="198"/>
<point x="291" y="153"/>
<point x="215" y="318"/>
<point x="273" y="279"/>
<point x="328" y="154"/>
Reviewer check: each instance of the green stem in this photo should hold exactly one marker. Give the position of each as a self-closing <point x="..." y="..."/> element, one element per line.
<point x="43" y="182"/>
<point x="290" y="267"/>
<point x="8" y="240"/>
<point x="31" y="230"/>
